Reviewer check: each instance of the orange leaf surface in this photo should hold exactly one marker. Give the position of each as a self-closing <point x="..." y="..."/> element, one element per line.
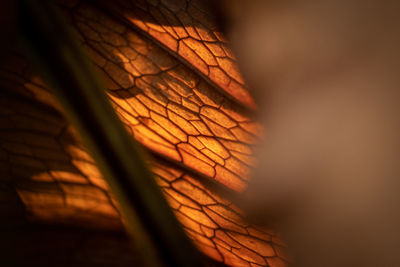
<point x="175" y="85"/>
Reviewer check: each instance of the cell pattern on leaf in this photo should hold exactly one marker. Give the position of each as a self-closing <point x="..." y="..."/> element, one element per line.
<point x="185" y="114"/>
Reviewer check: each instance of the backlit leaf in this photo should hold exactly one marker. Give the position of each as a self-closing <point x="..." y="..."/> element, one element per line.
<point x="175" y="85"/>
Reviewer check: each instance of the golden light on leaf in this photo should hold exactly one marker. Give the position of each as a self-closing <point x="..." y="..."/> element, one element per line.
<point x="174" y="83"/>
<point x="187" y="29"/>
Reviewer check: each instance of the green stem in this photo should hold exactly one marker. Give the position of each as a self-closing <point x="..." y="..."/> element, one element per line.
<point x="53" y="50"/>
